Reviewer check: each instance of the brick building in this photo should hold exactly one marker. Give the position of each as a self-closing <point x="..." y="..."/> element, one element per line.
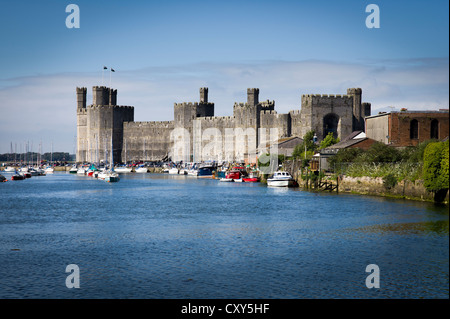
<point x="408" y="128"/>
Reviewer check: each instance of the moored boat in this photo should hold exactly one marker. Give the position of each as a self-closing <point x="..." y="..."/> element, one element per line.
<point x="123" y="169"/>
<point x="141" y="169"/>
<point x="73" y="170"/>
<point x="17" y="176"/>
<point x="281" y="179"/>
<point x="2" y="178"/>
<point x="9" y="169"/>
<point x="205" y="172"/>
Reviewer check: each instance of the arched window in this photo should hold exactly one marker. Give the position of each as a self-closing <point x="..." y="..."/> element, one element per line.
<point x="434" y="129"/>
<point x="330" y="124"/>
<point x="414" y="129"/>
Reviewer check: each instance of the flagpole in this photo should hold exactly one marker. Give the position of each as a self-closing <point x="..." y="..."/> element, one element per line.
<point x="103" y="69"/>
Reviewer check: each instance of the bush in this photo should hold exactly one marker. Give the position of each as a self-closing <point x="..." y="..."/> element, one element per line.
<point x="389" y="181"/>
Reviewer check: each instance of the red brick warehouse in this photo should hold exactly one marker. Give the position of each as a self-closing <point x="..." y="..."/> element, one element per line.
<point x="408" y="128"/>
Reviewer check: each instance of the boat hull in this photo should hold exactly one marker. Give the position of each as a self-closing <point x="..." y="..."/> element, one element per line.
<point x="280" y="183"/>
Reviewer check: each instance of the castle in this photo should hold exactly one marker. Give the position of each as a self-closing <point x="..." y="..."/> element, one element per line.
<point x="104" y="126"/>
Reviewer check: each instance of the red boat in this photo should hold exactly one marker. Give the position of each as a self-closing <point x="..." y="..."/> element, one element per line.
<point x="251" y="179"/>
<point x="233" y="174"/>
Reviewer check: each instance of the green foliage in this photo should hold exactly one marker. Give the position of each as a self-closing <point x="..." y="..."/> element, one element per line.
<point x="380" y="153"/>
<point x="435" y="166"/>
<point x="346" y="155"/>
<point x="328" y="141"/>
<point x="308" y="140"/>
<point x="389" y="181"/>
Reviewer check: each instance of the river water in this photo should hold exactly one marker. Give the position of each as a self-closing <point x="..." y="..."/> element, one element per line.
<point x="167" y="236"/>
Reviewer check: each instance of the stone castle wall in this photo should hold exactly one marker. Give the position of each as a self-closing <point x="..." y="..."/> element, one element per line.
<point x="196" y="134"/>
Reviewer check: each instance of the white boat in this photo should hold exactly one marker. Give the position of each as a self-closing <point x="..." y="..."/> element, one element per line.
<point x="9" y="169"/>
<point x="81" y="171"/>
<point x="123" y="169"/>
<point x="226" y="180"/>
<point x="73" y="170"/>
<point x="49" y="170"/>
<point x="111" y="176"/>
<point x="173" y="170"/>
<point x="141" y="169"/>
<point x="281" y="179"/>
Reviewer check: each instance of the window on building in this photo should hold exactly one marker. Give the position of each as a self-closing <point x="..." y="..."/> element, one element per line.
<point x="414" y="129"/>
<point x="434" y="130"/>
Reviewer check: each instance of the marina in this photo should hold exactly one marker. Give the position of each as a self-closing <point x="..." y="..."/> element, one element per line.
<point x="174" y="236"/>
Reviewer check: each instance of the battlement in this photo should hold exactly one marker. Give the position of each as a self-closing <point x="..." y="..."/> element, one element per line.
<point x="193" y="104"/>
<point x="267" y="104"/>
<point x="294" y="112"/>
<point x="333" y="96"/>
<point x="353" y="91"/>
<point x="81" y="89"/>
<point x="269" y="112"/>
<point x="120" y="107"/>
<point x="149" y="124"/>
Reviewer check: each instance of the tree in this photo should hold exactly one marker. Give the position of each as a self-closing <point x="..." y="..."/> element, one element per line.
<point x="308" y="140"/>
<point x="435" y="167"/>
<point x="328" y="141"/>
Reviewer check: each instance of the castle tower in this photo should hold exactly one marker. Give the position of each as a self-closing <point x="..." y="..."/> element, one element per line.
<point x="253" y="96"/>
<point x="203" y="95"/>
<point x="99" y="123"/>
<point x="81" y="98"/>
<point x="81" y="124"/>
<point x="100" y="95"/>
<point x="358" y="117"/>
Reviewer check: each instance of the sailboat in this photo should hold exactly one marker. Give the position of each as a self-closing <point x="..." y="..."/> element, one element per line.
<point x="124" y="169"/>
<point x="49" y="169"/>
<point x="111" y="176"/>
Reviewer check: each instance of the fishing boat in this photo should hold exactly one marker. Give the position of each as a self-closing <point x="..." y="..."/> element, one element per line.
<point x="205" y="171"/>
<point x="251" y="178"/>
<point x="281" y="179"/>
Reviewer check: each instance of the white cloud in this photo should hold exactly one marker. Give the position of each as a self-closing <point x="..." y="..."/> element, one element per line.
<point x="43" y="107"/>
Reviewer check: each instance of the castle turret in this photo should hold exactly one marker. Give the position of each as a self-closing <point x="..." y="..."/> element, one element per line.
<point x="81" y="98"/>
<point x="100" y="95"/>
<point x="358" y="117"/>
<point x="252" y="96"/>
<point x="203" y="95"/>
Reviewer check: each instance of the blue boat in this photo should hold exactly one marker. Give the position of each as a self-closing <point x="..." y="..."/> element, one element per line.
<point x="205" y="172"/>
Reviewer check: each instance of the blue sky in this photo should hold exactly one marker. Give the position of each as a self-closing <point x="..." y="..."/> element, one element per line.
<point x="164" y="51"/>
